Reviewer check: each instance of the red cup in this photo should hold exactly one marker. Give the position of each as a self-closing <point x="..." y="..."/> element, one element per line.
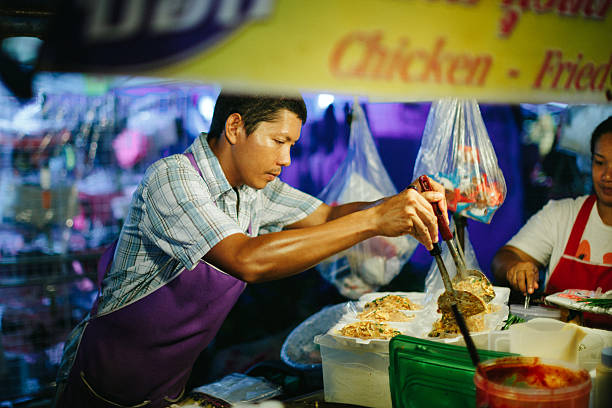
<point x="530" y="382"/>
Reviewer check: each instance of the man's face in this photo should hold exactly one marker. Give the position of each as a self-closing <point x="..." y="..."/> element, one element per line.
<point x="602" y="169"/>
<point x="260" y="156"/>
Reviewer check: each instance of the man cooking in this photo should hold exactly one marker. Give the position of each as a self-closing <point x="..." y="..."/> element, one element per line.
<point x="201" y="226"/>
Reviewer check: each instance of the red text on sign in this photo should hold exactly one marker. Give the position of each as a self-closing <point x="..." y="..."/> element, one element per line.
<point x="366" y="55"/>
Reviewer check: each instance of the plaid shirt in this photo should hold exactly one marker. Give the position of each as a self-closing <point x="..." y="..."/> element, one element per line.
<point x="176" y="217"/>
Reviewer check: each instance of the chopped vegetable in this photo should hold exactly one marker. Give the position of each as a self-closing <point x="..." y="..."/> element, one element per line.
<point x="597" y="302"/>
<point x="512" y="319"/>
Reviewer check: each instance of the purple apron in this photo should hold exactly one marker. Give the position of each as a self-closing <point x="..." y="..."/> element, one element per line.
<point x="141" y="355"/>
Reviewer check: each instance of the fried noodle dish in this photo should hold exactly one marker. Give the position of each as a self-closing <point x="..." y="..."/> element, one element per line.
<point x="384" y="315"/>
<point x="477" y="286"/>
<point x="368" y="330"/>
<point x="447" y="326"/>
<point x="392" y="302"/>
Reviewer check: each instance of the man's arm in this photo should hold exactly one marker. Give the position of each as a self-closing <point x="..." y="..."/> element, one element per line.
<point x="327" y="213"/>
<point x="326" y="231"/>
<point x="517" y="269"/>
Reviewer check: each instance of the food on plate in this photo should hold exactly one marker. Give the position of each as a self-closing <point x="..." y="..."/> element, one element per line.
<point x="446" y="326"/>
<point x="392" y="302"/>
<point x="384" y="315"/>
<point x="368" y="330"/>
<point x="467" y="303"/>
<point x="477" y="286"/>
<point x="472" y="306"/>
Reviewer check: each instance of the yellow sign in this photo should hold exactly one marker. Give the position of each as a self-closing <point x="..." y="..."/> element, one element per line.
<point x="410" y="50"/>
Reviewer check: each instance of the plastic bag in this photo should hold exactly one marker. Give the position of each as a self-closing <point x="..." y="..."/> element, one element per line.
<point x="456" y="152"/>
<point x="362" y="177"/>
<point x="237" y="387"/>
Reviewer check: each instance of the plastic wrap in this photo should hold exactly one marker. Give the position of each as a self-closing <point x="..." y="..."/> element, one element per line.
<point x="237" y="387"/>
<point x="456" y="152"/>
<point x="374" y="262"/>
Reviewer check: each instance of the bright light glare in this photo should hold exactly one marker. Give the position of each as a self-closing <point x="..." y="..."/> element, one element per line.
<point x="324" y="100"/>
<point x="206" y="106"/>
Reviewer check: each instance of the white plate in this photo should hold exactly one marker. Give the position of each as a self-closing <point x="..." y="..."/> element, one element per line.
<point x="569" y="299"/>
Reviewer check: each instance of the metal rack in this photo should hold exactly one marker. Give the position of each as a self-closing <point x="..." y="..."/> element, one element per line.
<point x="47" y="265"/>
<point x="41" y="300"/>
<point x="59" y="177"/>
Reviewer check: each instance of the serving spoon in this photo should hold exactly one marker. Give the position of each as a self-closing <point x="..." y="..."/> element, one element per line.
<point x="465" y="277"/>
<point x="467" y="303"/>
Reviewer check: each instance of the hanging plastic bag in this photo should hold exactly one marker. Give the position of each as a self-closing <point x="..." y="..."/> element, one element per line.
<point x="376" y="261"/>
<point x="456" y="152"/>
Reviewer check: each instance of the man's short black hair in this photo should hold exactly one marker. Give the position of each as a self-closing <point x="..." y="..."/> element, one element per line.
<point x="601" y="129"/>
<point x="253" y="109"/>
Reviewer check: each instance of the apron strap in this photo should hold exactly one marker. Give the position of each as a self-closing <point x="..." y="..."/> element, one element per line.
<point x="105" y="262"/>
<point x="193" y="162"/>
<point x="104" y="265"/>
<point x="579" y="226"/>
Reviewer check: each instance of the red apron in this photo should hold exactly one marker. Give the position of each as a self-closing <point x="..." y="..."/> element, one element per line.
<point x="574" y="273"/>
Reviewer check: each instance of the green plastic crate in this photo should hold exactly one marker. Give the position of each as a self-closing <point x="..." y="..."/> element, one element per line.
<point x="424" y="373"/>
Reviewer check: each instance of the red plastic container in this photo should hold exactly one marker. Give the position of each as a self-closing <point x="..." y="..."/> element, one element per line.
<point x="531" y="382"/>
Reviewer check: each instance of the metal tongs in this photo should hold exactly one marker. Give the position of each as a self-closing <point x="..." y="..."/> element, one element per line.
<point x="451" y="301"/>
<point x="465" y="302"/>
<point x="463" y="274"/>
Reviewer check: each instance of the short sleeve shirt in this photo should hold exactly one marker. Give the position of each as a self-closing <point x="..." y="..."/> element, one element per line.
<point x="545" y="235"/>
<point x="176" y="216"/>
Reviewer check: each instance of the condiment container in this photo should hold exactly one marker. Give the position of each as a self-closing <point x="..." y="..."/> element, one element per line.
<point x="547" y="338"/>
<point x="602" y="395"/>
<point x="534" y="312"/>
<point x="530" y="382"/>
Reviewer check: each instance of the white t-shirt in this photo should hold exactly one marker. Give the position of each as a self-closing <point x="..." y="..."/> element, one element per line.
<point x="545" y="235"/>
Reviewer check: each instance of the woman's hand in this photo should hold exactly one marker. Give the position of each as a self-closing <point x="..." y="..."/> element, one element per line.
<point x="523" y="276"/>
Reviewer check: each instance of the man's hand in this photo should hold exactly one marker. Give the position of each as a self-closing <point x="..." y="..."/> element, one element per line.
<point x="437" y="187"/>
<point x="523" y="276"/>
<point x="410" y="212"/>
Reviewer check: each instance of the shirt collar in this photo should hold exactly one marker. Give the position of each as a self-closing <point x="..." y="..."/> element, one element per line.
<point x="213" y="174"/>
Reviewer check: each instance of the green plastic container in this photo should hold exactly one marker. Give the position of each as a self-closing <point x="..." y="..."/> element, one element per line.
<point x="424" y="373"/>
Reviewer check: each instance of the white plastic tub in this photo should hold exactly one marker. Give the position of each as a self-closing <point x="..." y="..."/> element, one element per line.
<point x="355" y="373"/>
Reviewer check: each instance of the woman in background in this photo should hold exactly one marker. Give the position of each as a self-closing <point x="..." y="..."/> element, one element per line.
<point x="572" y="237"/>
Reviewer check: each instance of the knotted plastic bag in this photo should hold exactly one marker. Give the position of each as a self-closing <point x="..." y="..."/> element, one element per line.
<point x="456" y="152"/>
<point x="376" y="261"/>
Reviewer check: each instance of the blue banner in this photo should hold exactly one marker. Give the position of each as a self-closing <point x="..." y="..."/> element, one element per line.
<point x="107" y="35"/>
